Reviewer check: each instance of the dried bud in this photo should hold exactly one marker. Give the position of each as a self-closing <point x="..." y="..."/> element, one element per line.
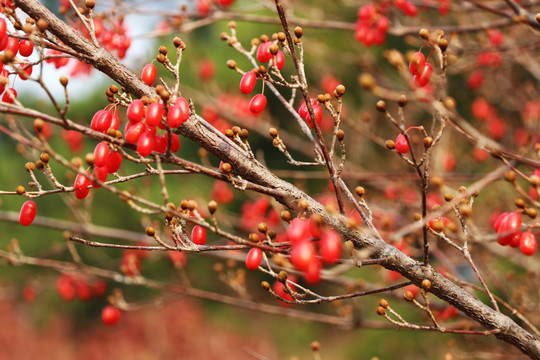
<point x="367" y="81"/>
<point x="383" y="303"/>
<point x="150" y="231"/>
<point x="273" y="132"/>
<point x="285" y="215"/>
<point x="426" y="284"/>
<point x="360" y="191"/>
<point x="64" y="80"/>
<point x="253" y="237"/>
<point x="90" y="4"/>
<point x="408" y="295"/>
<point x="282" y="276"/>
<point x="44" y="157"/>
<point x="424" y="33"/>
<point x="231" y="64"/>
<point x="340" y="135"/>
<point x="402" y="100"/>
<point x="390" y="144"/>
<point x="520" y="203"/>
<point x="262" y="228"/>
<point x="381" y="106"/>
<point x="428" y="141"/>
<point x="298" y="32"/>
<point x="20" y="190"/>
<point x="266" y="286"/>
<point x="212" y="206"/>
<point x="381" y="311"/>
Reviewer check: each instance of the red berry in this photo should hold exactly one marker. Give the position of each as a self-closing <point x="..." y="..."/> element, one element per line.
<point x="198" y="235"/>
<point x="299" y="230"/>
<point x="253" y="259"/>
<point x="28" y="213"/>
<point x="101" y="154"/>
<point x="133" y="131"/>
<point x="302" y="254"/>
<point x="114" y="162"/>
<point x="154" y="113"/>
<point x="9" y="96"/>
<point x="527" y="243"/>
<point x="26" y="47"/>
<point x="3" y="28"/>
<point x="175" y="142"/>
<point x="135" y="111"/>
<point x="312" y="275"/>
<point x="418" y="61"/>
<point x="82" y="182"/>
<point x="26" y="73"/>
<point x="149" y="73"/>
<point x="110" y="315"/>
<point x="257" y="104"/>
<point x="424" y="76"/>
<point x="100" y="174"/>
<point x="330" y="246"/>
<point x="12" y="46"/>
<point x="508" y="226"/>
<point x="247" y="84"/>
<point x="160" y="145"/>
<point x="401" y="144"/>
<point x="146" y="143"/>
<point x="280" y="60"/>
<point x="66" y="288"/>
<point x="176" y="115"/>
<point x="263" y="52"/>
<point x="101" y="121"/>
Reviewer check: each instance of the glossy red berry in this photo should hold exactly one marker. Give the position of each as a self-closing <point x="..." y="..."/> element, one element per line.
<point x="82" y="182"/>
<point x="527" y="243"/>
<point x="257" y="104"/>
<point x="253" y="259"/>
<point x="12" y="46"/>
<point x="508" y="226"/>
<point x="175" y="142"/>
<point x="247" y="84"/>
<point x="9" y="95"/>
<point x="110" y="315"/>
<point x="101" y="121"/>
<point x="101" y="154"/>
<point x="26" y="47"/>
<point x="421" y="79"/>
<point x="27" y="213"/>
<point x="263" y="52"/>
<point x="198" y="235"/>
<point x="312" y="275"/>
<point x="146" y="143"/>
<point x="149" y="73"/>
<point x="177" y="115"/>
<point x="3" y="28"/>
<point x="114" y="162"/>
<point x="135" y="111"/>
<point x="133" y="131"/>
<point x="418" y="61"/>
<point x="401" y="144"/>
<point x="154" y="113"/>
<point x="160" y="145"/>
<point x="100" y="174"/>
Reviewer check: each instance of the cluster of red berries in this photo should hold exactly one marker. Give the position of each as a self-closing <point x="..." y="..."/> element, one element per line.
<point x="12" y="47"/>
<point x="487" y="113"/>
<point x="420" y="69"/>
<point x="508" y="228"/>
<point x="371" y="26"/>
<point x="70" y="287"/>
<point x="302" y="234"/>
